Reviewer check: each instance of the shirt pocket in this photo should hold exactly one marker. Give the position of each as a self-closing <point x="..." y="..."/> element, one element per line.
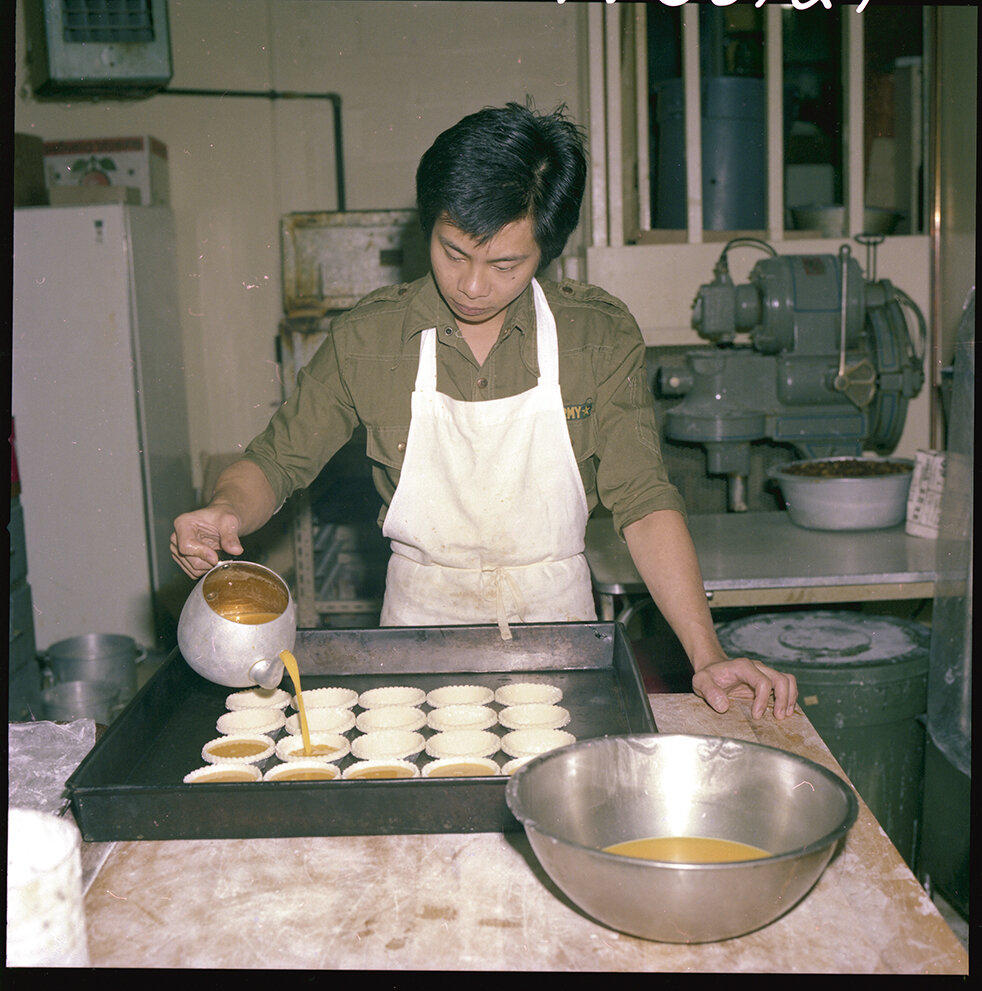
<point x="583" y="437"/>
<point x="387" y="445"/>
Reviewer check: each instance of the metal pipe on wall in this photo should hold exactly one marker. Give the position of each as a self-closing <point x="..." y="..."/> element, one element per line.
<point x="598" y="128"/>
<point x="272" y="94"/>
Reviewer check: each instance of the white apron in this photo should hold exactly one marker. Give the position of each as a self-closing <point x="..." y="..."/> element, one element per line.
<point x="488" y="519"/>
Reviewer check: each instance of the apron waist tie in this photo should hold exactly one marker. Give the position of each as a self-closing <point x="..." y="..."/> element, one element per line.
<point x="499" y="579"/>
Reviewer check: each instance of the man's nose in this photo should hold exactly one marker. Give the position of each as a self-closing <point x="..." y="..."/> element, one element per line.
<point x="474" y="282"/>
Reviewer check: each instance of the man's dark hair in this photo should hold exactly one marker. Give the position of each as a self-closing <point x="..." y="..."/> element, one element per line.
<point x="503" y="164"/>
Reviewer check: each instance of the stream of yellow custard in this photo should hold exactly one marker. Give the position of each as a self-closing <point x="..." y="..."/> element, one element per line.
<point x="290" y="663"/>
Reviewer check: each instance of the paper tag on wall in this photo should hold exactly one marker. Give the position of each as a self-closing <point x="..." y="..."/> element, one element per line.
<point x="924" y="498"/>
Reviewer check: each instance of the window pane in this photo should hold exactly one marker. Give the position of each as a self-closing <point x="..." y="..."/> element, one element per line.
<point x="665" y="127"/>
<point x="733" y="105"/>
<point x="813" y="113"/>
<point x="893" y="113"/>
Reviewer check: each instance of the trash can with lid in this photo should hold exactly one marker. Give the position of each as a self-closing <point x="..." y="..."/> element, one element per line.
<point x="862" y="681"/>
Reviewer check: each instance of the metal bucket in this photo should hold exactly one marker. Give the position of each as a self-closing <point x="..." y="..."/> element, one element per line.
<point x="109" y="657"/>
<point x="71" y="700"/>
<point x="862" y="681"/>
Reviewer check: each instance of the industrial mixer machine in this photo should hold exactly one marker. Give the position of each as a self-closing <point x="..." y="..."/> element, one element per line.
<point x="830" y="367"/>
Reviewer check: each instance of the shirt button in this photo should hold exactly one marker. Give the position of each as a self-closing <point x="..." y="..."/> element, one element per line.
<point x="482" y="383"/>
<point x="448" y="331"/>
<point x="401" y="446"/>
<point x="567" y="289"/>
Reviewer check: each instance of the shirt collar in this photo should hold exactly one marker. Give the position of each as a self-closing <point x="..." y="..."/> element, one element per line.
<point x="426" y="308"/>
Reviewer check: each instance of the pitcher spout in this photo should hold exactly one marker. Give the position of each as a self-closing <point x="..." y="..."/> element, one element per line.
<point x="267" y="673"/>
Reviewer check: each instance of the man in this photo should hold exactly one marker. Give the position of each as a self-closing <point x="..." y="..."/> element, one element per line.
<point x="499" y="411"/>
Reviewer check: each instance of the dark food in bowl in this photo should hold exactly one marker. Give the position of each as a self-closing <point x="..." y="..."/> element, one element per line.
<point x="845" y="493"/>
<point x="847" y="468"/>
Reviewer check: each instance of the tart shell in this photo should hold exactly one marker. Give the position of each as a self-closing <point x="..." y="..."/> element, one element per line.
<point x="528" y="692"/>
<point x="391" y="695"/>
<point x="357" y="771"/>
<point x="535" y="715"/>
<point x="258" y="698"/>
<point x="266" y="743"/>
<point x="393" y="744"/>
<point x="286" y="747"/>
<point x="322" y="720"/>
<point x="255" y="720"/>
<point x="444" y="767"/>
<point x="530" y="742"/>
<point x="463" y="743"/>
<point x="459" y="695"/>
<point x="452" y="717"/>
<point x="281" y="772"/>
<point x="210" y="772"/>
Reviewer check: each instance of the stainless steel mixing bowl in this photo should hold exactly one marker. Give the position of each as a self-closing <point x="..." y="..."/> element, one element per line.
<point x="577" y="800"/>
<point x="845" y="502"/>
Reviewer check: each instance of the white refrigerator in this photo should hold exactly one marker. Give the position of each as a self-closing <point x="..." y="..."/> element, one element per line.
<point x="100" y="410"/>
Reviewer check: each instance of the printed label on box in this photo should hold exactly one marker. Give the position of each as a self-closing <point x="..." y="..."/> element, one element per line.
<point x="140" y="162"/>
<point x="924" y="498"/>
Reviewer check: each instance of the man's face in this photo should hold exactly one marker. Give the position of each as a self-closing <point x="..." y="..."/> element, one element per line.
<point x="478" y="281"/>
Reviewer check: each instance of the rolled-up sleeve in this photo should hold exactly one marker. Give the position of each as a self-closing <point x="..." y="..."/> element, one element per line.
<point x="632" y="480"/>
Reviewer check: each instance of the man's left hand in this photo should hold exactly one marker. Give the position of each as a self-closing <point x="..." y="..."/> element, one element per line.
<point x="743" y="678"/>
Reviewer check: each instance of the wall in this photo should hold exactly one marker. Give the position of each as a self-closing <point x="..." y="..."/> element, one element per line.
<point x="404" y="71"/>
<point x="958" y="138"/>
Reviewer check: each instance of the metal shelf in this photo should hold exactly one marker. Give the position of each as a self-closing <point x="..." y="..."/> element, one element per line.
<point x="339" y="566"/>
<point x="330" y="261"/>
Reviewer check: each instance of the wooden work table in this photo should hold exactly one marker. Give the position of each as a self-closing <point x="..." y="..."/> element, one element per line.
<point x="481" y="902"/>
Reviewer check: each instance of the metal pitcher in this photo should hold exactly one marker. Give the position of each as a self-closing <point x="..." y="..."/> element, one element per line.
<point x="234" y="624"/>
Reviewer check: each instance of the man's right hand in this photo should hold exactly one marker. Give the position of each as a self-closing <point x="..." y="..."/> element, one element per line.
<point x="200" y="536"/>
<point x="242" y="502"/>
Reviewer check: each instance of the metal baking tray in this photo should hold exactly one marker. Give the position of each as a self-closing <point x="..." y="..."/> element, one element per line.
<point x="130" y="787"/>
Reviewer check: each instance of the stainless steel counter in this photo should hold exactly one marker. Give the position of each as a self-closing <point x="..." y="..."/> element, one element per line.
<point x="750" y="559"/>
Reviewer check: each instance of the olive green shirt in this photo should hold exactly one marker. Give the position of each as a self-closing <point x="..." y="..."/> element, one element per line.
<point x="365" y="372"/>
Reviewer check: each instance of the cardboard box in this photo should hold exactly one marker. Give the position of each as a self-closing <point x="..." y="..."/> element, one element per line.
<point x="94" y="195"/>
<point x="140" y="162"/>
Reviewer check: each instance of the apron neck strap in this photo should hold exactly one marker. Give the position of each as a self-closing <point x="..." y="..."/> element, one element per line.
<point x="426" y="373"/>
<point x="546" y="337"/>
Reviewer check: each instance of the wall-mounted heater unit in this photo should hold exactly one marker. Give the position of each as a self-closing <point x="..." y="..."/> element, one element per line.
<point x="97" y="49"/>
